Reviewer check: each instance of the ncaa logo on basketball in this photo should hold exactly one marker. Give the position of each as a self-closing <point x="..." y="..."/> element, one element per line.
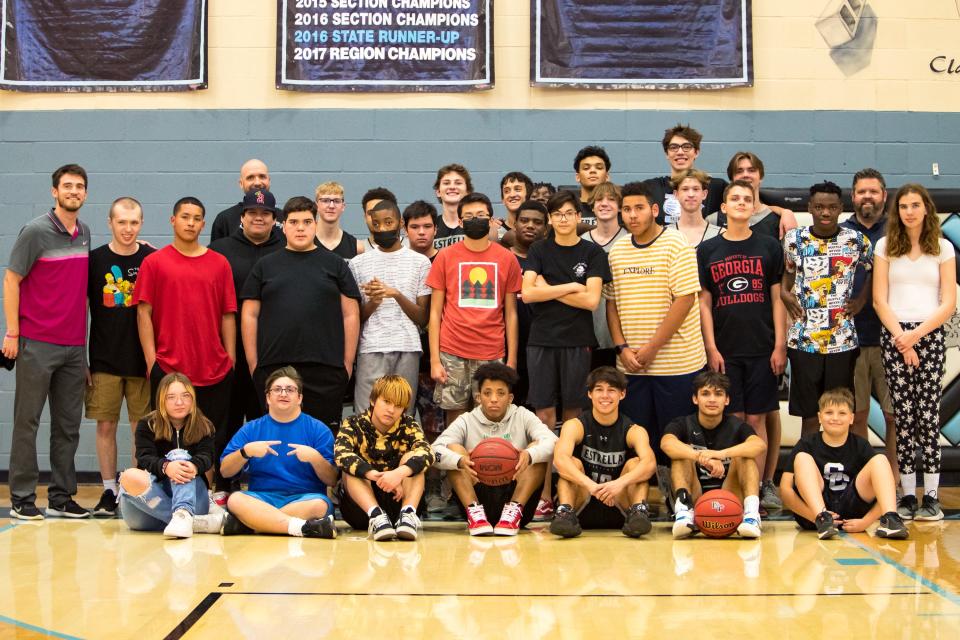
<point x="737" y="284"/>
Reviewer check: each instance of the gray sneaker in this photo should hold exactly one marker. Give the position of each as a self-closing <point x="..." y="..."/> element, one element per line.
<point x="907" y="507"/>
<point x="929" y="510"/>
<point x="769" y="496"/>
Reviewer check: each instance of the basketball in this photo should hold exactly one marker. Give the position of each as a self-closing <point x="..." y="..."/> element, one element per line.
<point x="494" y="460"/>
<point x="717" y="513"/>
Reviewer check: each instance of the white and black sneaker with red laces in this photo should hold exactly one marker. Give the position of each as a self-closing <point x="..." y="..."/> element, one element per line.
<point x="509" y="524"/>
<point x="477" y="523"/>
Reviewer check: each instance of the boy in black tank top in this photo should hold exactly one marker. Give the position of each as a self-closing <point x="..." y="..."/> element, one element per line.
<point x="605" y="462"/>
<point x="711" y="450"/>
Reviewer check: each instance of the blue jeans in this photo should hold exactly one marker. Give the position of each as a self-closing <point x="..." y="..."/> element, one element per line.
<point x="152" y="510"/>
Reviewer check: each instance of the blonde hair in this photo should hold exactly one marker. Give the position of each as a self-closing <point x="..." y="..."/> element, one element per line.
<point x="898" y="242"/>
<point x="700" y="176"/>
<point x="333" y="188"/>
<point x="838" y="396"/>
<point x="606" y="190"/>
<point x="393" y="389"/>
<point x="196" y="426"/>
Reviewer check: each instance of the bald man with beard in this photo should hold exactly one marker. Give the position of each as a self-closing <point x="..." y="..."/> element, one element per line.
<point x="253" y="175"/>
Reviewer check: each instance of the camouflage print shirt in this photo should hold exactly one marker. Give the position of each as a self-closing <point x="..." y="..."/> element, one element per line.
<point x="360" y="448"/>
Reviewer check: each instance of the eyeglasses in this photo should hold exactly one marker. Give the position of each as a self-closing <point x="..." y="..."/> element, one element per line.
<point x="468" y="216"/>
<point x="330" y="202"/>
<point x="279" y="391"/>
<point x="563" y="215"/>
<point x="182" y="397"/>
<point x="686" y="146"/>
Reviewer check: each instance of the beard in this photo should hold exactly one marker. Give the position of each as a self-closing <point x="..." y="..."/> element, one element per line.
<point x="71" y="205"/>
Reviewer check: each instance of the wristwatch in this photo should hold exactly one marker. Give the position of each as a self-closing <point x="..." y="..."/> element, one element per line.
<point x="621" y="347"/>
<point x="244" y="453"/>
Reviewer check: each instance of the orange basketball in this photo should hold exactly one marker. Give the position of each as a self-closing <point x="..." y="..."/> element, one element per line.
<point x="494" y="460"/>
<point x="718" y="513"/>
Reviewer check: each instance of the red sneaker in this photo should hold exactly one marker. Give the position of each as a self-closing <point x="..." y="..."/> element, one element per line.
<point x="509" y="524"/>
<point x="544" y="512"/>
<point x="477" y="523"/>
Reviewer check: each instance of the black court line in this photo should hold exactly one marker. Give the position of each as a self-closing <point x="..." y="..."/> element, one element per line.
<point x="198" y="612"/>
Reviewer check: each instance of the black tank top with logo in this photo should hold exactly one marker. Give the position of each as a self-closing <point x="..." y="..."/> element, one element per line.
<point x="603" y="449"/>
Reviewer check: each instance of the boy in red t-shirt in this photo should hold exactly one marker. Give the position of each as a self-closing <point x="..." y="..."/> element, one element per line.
<point x="473" y="308"/>
<point x="186" y="306"/>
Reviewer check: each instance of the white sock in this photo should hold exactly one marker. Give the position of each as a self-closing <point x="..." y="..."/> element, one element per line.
<point x="111" y="486"/>
<point x="295" y="527"/>
<point x="931" y="483"/>
<point x="909" y="483"/>
<point x="751" y="504"/>
<point x="679" y="506"/>
<point x="408" y="509"/>
<point x="372" y="510"/>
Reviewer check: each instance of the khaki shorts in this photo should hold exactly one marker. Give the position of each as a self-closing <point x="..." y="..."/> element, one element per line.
<point x="458" y="391"/>
<point x="104" y="397"/>
<point x="868" y="376"/>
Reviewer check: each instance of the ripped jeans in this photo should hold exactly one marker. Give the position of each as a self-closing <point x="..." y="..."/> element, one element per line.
<point x="152" y="510"/>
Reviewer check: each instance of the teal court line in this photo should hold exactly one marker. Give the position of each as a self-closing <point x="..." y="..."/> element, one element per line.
<point x="949" y="596"/>
<point x="7" y="528"/>
<point x="855" y="562"/>
<point x="31" y="627"/>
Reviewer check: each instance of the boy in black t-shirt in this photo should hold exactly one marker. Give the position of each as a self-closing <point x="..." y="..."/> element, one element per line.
<point x="605" y="462"/>
<point x="562" y="280"/>
<point x="117" y="366"/>
<point x="740" y="272"/>
<point x="835" y="480"/>
<point x="713" y="451"/>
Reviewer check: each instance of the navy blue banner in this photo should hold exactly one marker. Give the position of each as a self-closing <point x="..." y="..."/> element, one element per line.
<point x="646" y="44"/>
<point x="385" y="45"/>
<point x="103" y="45"/>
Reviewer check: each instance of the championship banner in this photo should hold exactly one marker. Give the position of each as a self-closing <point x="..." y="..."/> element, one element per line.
<point x="641" y="44"/>
<point x="385" y="45"/>
<point x="103" y="45"/>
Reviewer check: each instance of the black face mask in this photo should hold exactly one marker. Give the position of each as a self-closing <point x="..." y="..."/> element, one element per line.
<point x="386" y="239"/>
<point x="476" y="228"/>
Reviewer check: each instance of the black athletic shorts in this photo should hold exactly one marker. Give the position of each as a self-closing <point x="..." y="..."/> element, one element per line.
<point x="753" y="387"/>
<point x="813" y="373"/>
<point x="849" y="505"/>
<point x="596" y="515"/>
<point x="557" y="375"/>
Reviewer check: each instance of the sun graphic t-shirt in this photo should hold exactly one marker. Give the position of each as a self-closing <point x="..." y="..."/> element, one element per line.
<point x="114" y="340"/>
<point x="825" y="269"/>
<point x="475" y="284"/>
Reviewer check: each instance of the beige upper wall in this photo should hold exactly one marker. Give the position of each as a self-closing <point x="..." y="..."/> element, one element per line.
<point x="792" y="66"/>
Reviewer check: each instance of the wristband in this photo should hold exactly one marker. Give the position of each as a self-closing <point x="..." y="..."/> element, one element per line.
<point x="243" y="453"/>
<point x="621" y="347"/>
<point x="12" y="335"/>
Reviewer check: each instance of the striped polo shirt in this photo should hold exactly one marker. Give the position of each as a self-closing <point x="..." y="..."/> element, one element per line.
<point x="53" y="292"/>
<point x="646" y="280"/>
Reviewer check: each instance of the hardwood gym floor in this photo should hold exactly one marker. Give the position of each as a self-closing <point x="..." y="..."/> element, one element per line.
<point x="97" y="579"/>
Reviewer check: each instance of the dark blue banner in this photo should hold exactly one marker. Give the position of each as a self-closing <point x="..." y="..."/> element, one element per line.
<point x="647" y="44"/>
<point x="103" y="45"/>
<point x="385" y="45"/>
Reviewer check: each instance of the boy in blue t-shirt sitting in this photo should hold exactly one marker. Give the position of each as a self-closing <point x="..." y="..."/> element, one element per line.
<point x="289" y="458"/>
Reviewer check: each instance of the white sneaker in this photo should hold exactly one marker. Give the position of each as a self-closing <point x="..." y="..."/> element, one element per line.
<point x="750" y="527"/>
<point x="683" y="526"/>
<point x="408" y="525"/>
<point x="210" y="523"/>
<point x="180" y="526"/>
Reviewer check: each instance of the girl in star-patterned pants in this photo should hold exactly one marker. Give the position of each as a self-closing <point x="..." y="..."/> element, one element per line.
<point x="916" y="393"/>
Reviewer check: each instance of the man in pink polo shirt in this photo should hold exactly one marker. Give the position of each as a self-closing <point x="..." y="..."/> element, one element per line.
<point x="45" y="305"/>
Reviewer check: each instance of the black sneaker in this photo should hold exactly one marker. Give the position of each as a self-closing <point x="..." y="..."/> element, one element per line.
<point x="68" y="509"/>
<point x="907" y="507"/>
<point x="825" y="526"/>
<point x="380" y="528"/>
<point x="319" y="528"/>
<point x="637" y="521"/>
<point x="891" y="526"/>
<point x="107" y="507"/>
<point x="565" y="523"/>
<point x="25" y="511"/>
<point x="233" y="527"/>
